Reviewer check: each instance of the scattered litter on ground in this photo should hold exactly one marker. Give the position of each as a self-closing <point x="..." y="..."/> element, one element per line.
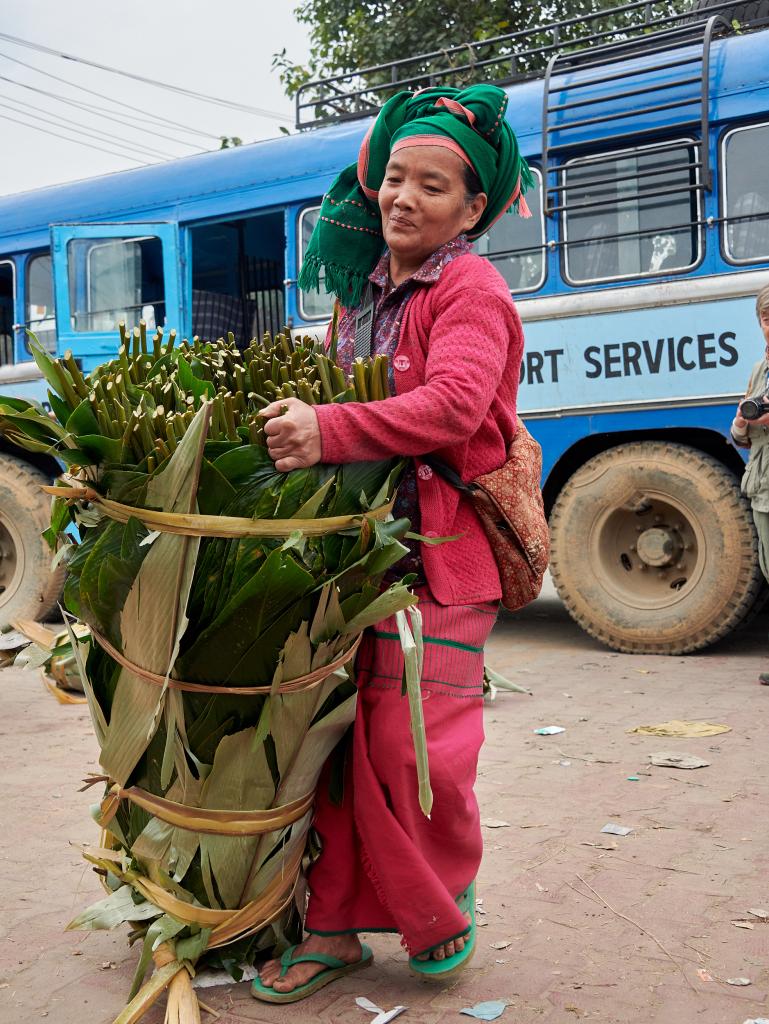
<point x="744" y="924"/>
<point x="495" y="823"/>
<point x="679" y="728"/>
<point x="504" y="944"/>
<point x="703" y="975"/>
<point x="539" y="824"/>
<point x="757" y="1020"/>
<point x="489" y="1010"/>
<point x="541" y="888"/>
<point x="549" y="730"/>
<point x="109" y="965"/>
<point x="382" y="1016"/>
<point x="633" y="778"/>
<point x="211" y="977"/>
<point x="601" y="846"/>
<point x="564" y="763"/>
<point x="760" y="913"/>
<point x="616" y="830"/>
<point x="12" y="639"/>
<point x="668" y="760"/>
<point x="568" y="695"/>
<point x="738" y="981"/>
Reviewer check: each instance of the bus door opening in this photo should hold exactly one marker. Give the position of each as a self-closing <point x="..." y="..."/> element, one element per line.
<point x="238" y="270"/>
<point x="6" y="312"/>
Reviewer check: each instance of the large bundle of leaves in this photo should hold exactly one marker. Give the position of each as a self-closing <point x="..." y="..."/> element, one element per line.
<point x="177" y="429"/>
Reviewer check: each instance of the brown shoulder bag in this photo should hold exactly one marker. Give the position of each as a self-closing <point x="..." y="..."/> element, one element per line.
<point x="509" y="504"/>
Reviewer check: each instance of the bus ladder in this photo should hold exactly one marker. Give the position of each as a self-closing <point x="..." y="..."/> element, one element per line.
<point x="569" y="73"/>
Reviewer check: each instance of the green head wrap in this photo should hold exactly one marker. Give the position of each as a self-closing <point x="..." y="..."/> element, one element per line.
<point x="348" y="241"/>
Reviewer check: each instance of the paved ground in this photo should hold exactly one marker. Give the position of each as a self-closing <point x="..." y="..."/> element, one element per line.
<point x="594" y="927"/>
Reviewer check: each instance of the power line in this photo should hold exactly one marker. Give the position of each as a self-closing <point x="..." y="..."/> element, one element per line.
<point x="68" y="138"/>
<point x="65" y="122"/>
<point x="101" y="111"/>
<point x="93" y="92"/>
<point x="259" y="111"/>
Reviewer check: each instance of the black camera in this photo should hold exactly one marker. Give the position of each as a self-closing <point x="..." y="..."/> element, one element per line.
<point x="754" y="408"/>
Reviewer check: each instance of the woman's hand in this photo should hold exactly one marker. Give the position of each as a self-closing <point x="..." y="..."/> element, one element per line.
<point x="293" y="435"/>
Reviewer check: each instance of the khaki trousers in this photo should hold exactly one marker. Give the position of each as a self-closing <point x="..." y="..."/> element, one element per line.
<point x="761" y="519"/>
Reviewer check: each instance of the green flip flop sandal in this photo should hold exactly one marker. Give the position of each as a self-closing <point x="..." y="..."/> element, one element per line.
<point x="335" y="968"/>
<point x="440" y="969"/>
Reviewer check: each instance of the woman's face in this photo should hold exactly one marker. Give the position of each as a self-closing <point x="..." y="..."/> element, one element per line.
<point x="424" y="203"/>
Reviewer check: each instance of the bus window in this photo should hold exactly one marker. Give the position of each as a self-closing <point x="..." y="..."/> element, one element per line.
<point x="516" y="245"/>
<point x="631" y="214"/>
<point x="41" y="317"/>
<point x="6" y="312"/>
<point x="746" y="194"/>
<point x="114" y="279"/>
<point x="312" y="305"/>
<point x="238" y="270"/>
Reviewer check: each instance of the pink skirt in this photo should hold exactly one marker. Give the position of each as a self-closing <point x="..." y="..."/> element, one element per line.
<point x="384" y="866"/>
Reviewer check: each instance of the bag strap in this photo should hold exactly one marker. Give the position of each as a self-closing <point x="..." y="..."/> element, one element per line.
<point x="449" y="475"/>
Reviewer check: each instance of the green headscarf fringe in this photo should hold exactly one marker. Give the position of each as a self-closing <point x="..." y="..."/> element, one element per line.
<point x="346" y="283"/>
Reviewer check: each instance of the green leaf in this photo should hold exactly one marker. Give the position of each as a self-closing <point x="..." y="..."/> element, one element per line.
<point x="115" y="910"/>
<point x="240" y="780"/>
<point x="278" y="584"/>
<point x="163" y="582"/>
<point x="44" y="362"/>
<point x="190" y="383"/>
<point x="159" y="931"/>
<point x="82" y="420"/>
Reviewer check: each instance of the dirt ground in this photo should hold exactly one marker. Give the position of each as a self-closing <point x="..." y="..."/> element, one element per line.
<point x="578" y="925"/>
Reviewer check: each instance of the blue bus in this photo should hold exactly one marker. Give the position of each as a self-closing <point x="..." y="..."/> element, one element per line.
<point x="635" y="279"/>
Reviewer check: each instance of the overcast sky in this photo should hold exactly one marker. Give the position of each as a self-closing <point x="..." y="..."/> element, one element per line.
<point x="222" y="49"/>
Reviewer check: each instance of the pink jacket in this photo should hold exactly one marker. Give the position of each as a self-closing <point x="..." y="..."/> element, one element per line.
<point x="457" y="368"/>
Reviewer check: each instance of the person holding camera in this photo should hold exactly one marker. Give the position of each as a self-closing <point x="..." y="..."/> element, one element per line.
<point x="750" y="429"/>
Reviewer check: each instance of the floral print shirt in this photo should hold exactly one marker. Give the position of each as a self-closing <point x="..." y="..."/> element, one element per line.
<point x="389" y="307"/>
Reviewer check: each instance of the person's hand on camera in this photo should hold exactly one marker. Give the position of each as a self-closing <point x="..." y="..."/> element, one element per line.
<point x="293" y="435"/>
<point x="740" y="424"/>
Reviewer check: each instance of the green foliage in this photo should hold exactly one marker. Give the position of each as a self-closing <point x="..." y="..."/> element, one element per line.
<point x="352" y="35"/>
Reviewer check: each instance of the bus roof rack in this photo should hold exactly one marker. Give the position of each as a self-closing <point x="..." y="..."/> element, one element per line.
<point x="593" y="40"/>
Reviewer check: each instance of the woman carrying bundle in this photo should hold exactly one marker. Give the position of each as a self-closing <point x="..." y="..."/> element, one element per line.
<point x="435" y="171"/>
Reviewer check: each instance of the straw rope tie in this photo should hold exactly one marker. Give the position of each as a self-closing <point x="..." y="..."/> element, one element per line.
<point x="301" y="683"/>
<point x="212" y="821"/>
<point x="194" y="525"/>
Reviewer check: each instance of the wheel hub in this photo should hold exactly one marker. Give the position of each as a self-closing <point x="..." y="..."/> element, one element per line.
<point x="659" y="546"/>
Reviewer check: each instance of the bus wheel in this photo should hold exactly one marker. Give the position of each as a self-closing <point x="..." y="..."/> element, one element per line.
<point x="28" y="588"/>
<point x="654" y="549"/>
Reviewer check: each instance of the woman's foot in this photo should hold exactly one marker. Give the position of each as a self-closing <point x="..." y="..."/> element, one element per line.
<point x="449" y="949"/>
<point x="345" y="947"/>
